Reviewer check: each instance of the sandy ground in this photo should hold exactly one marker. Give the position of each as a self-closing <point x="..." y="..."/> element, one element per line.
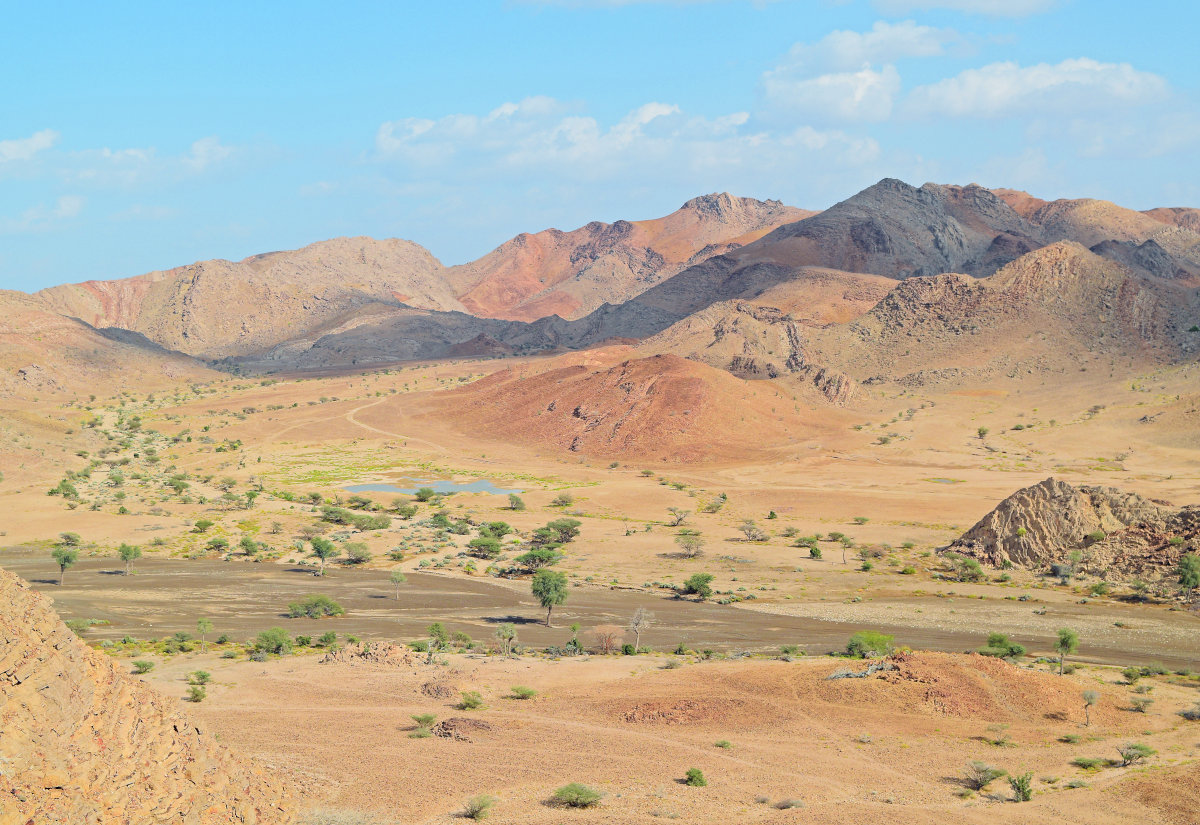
<point x="849" y="750"/>
<point x="932" y="478"/>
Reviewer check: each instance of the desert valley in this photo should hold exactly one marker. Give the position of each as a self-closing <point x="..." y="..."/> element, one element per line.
<point x="884" y="510"/>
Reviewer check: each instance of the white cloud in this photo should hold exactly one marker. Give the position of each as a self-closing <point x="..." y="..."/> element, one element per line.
<point x="26" y="148"/>
<point x="654" y="141"/>
<point x="43" y="216"/>
<point x="849" y="75"/>
<point x="68" y="206"/>
<point x="995" y="8"/>
<point x="206" y="152"/>
<point x="1004" y="89"/>
<point x="865" y="95"/>
<point x="844" y="50"/>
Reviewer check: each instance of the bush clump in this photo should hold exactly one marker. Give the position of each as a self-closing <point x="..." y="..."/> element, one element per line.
<point x="867" y="644"/>
<point x="315" y="607"/>
<point x="478" y="807"/>
<point x="695" y="778"/>
<point x="576" y="795"/>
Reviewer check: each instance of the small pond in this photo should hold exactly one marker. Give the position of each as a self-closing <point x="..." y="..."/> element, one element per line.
<point x="442" y="486"/>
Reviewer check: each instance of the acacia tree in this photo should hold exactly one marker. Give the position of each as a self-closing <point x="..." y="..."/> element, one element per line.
<point x="507" y="634"/>
<point x="642" y="619"/>
<point x="129" y="553"/>
<point x="690" y="543"/>
<point x="1068" y="642"/>
<point x="550" y="588"/>
<point x="397" y="578"/>
<point x="203" y="628"/>
<point x="1090" y="697"/>
<point x="678" y="515"/>
<point x="324" y="550"/>
<point x="64" y="557"/>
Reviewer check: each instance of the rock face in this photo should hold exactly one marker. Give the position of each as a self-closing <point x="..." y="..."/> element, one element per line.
<point x="569" y="274"/>
<point x="1114" y="530"/>
<point x="42" y="351"/>
<point x="82" y="742"/>
<point x="215" y="309"/>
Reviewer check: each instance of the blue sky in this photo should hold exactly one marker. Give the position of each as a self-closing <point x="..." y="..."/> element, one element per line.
<point x="140" y="136"/>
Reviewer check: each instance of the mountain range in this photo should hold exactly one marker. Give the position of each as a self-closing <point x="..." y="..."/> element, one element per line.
<point x="896" y="283"/>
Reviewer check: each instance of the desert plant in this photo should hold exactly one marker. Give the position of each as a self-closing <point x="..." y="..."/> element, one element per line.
<point x="1067" y="643"/>
<point x="698" y="585"/>
<point x="695" y="778"/>
<point x="64" y="557"/>
<point x="522" y="692"/>
<point x="678" y="515"/>
<point x="273" y="640"/>
<point x="199" y="677"/>
<point x="471" y="700"/>
<point x="563" y="500"/>
<point x="196" y="694"/>
<point x="1135" y="752"/>
<point x="723" y="744"/>
<point x="515" y="502"/>
<point x="315" y="607"/>
<point x="869" y="643"/>
<point x="576" y="795"/>
<point x="1090" y="697"/>
<point x="129" y="553"/>
<point x="550" y="589"/>
<point x="980" y="774"/>
<point x="142" y="666"/>
<point x="1022" y="786"/>
<point x="478" y="807"/>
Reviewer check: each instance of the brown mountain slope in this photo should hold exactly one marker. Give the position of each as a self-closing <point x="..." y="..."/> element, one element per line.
<point x="605" y="403"/>
<point x="1042" y="312"/>
<point x="43" y="352"/>
<point x="84" y="742"/>
<point x="1183" y="217"/>
<point x="214" y="309"/>
<point x="764" y="338"/>
<point x="572" y="273"/>
<point x="1111" y="529"/>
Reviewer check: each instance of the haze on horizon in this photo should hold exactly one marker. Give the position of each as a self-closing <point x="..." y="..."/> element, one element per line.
<point x="144" y="137"/>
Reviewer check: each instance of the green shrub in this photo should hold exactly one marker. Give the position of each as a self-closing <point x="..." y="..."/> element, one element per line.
<point x="478" y="807"/>
<point x="699" y="585"/>
<point x="1088" y="763"/>
<point x="142" y="666"/>
<point x="999" y="646"/>
<point x="980" y="774"/>
<point x="870" y="643"/>
<point x="695" y="778"/>
<point x="328" y="638"/>
<point x="196" y="693"/>
<point x="200" y="677"/>
<point x="723" y="744"/>
<point x="274" y="640"/>
<point x="576" y="795"/>
<point x="315" y="607"/>
<point x="1135" y="752"/>
<point x="471" y="700"/>
<point x="1022" y="786"/>
<point x="522" y="692"/>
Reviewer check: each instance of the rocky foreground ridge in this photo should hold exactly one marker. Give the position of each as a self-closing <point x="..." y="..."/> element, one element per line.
<point x="82" y="742"/>
<point x="1113" y="529"/>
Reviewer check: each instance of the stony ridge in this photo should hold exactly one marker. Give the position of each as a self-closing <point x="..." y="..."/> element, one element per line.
<point x="83" y="742"/>
<point x="1115" y="530"/>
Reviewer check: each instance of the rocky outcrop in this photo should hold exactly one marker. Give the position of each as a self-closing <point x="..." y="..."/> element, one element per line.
<point x="570" y="274"/>
<point x="82" y="742"/>
<point x="1114" y="530"/>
